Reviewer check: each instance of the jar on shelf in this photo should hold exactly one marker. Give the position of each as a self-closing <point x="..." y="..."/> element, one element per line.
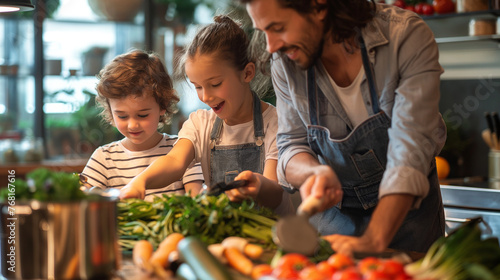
<point x="495" y="5"/>
<point x="498" y="25"/>
<point x="472" y="5"/>
<point x="482" y="26"/>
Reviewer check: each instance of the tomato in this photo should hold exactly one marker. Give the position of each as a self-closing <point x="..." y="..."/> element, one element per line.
<point x="419" y="8"/>
<point x="443" y="6"/>
<point x="261" y="270"/>
<point x="326" y="269"/>
<point x="376" y="275"/>
<point x="311" y="273"/>
<point x="410" y="8"/>
<point x="289" y="266"/>
<point x="399" y="3"/>
<point x="392" y="267"/>
<point x="347" y="274"/>
<point x="340" y="261"/>
<point x="369" y="263"/>
<point x="427" y="9"/>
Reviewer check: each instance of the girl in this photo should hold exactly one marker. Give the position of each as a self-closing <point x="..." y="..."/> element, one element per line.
<point x="239" y="131"/>
<point x="136" y="96"/>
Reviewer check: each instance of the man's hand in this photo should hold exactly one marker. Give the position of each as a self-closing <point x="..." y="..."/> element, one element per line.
<point x="385" y="222"/>
<point x="132" y="190"/>
<point x="323" y="184"/>
<point x="348" y="244"/>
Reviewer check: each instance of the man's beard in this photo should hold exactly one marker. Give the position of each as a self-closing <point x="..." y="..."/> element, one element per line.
<point x="311" y="59"/>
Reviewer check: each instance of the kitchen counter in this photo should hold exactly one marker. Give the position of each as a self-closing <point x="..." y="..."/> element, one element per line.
<point x="128" y="271"/>
<point x="461" y="203"/>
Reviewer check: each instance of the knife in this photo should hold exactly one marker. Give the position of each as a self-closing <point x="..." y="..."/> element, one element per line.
<point x="221" y="187"/>
<point x="294" y="233"/>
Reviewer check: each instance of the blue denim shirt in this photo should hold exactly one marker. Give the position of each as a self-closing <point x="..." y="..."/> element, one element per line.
<point x="404" y="55"/>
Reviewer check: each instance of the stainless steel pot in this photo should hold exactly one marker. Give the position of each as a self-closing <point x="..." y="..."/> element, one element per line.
<point x="74" y="240"/>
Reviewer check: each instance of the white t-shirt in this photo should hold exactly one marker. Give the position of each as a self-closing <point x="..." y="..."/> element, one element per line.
<point x="351" y="99"/>
<point x="113" y="166"/>
<point x="198" y="127"/>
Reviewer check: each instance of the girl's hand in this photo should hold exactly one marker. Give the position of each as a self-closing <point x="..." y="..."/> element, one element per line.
<point x="132" y="191"/>
<point x="249" y="191"/>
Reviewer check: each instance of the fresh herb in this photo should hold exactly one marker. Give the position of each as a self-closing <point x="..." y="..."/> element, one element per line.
<point x="210" y="218"/>
<point x="45" y="185"/>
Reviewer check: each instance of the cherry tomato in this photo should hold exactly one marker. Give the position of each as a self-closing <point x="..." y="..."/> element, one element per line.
<point x="376" y="275"/>
<point x="326" y="269"/>
<point x="347" y="274"/>
<point x="443" y="6"/>
<point x="368" y="264"/>
<point x="311" y="273"/>
<point x="392" y="267"/>
<point x="410" y="8"/>
<point x="428" y="10"/>
<point x="399" y="3"/>
<point x="419" y="8"/>
<point x="289" y="266"/>
<point x="261" y="270"/>
<point x="340" y="261"/>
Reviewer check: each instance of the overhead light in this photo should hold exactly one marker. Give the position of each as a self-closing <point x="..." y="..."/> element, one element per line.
<point x="15" y="6"/>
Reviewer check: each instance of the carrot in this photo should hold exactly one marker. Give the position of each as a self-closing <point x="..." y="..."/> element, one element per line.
<point x="167" y="246"/>
<point x="253" y="251"/>
<point x="238" y="261"/>
<point x="141" y="254"/>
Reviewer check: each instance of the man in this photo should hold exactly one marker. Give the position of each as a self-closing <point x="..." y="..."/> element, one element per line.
<point x="357" y="86"/>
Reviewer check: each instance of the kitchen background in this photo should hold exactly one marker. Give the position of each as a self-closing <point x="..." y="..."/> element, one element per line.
<point x="49" y="59"/>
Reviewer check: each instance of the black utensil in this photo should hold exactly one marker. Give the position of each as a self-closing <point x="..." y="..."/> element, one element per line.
<point x="294" y="233"/>
<point x="489" y="121"/>
<point x="496" y="128"/>
<point x="221" y="187"/>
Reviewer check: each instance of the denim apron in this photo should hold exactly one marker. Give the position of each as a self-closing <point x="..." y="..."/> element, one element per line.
<point x="359" y="161"/>
<point x="228" y="161"/>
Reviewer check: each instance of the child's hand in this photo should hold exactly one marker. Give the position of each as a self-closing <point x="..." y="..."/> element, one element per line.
<point x="249" y="191"/>
<point x="132" y="191"/>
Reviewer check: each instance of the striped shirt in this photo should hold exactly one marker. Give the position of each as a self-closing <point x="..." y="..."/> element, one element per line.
<point x="113" y="166"/>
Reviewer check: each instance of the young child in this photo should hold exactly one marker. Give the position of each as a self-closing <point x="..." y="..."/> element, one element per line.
<point x="237" y="134"/>
<point x="136" y="95"/>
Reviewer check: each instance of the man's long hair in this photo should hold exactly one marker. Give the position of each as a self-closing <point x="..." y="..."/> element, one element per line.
<point x="344" y="20"/>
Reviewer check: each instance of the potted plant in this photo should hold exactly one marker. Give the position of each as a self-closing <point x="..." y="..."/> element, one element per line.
<point x="179" y="11"/>
<point x="116" y="10"/>
<point x="92" y="60"/>
<point x="49" y="6"/>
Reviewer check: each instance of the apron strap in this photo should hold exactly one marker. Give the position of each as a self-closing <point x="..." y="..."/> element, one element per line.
<point x="258" y="125"/>
<point x="258" y="122"/>
<point x="311" y="96"/>
<point x="311" y="86"/>
<point x="369" y="76"/>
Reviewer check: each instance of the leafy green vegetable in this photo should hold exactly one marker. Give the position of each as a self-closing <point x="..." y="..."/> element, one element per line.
<point x="462" y="255"/>
<point x="210" y="218"/>
<point x="45" y="185"/>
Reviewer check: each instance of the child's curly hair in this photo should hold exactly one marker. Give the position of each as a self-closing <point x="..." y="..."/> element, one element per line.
<point x="136" y="73"/>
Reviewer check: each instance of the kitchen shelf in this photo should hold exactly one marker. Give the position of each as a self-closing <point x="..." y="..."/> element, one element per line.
<point x="466" y="14"/>
<point x="460" y="39"/>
